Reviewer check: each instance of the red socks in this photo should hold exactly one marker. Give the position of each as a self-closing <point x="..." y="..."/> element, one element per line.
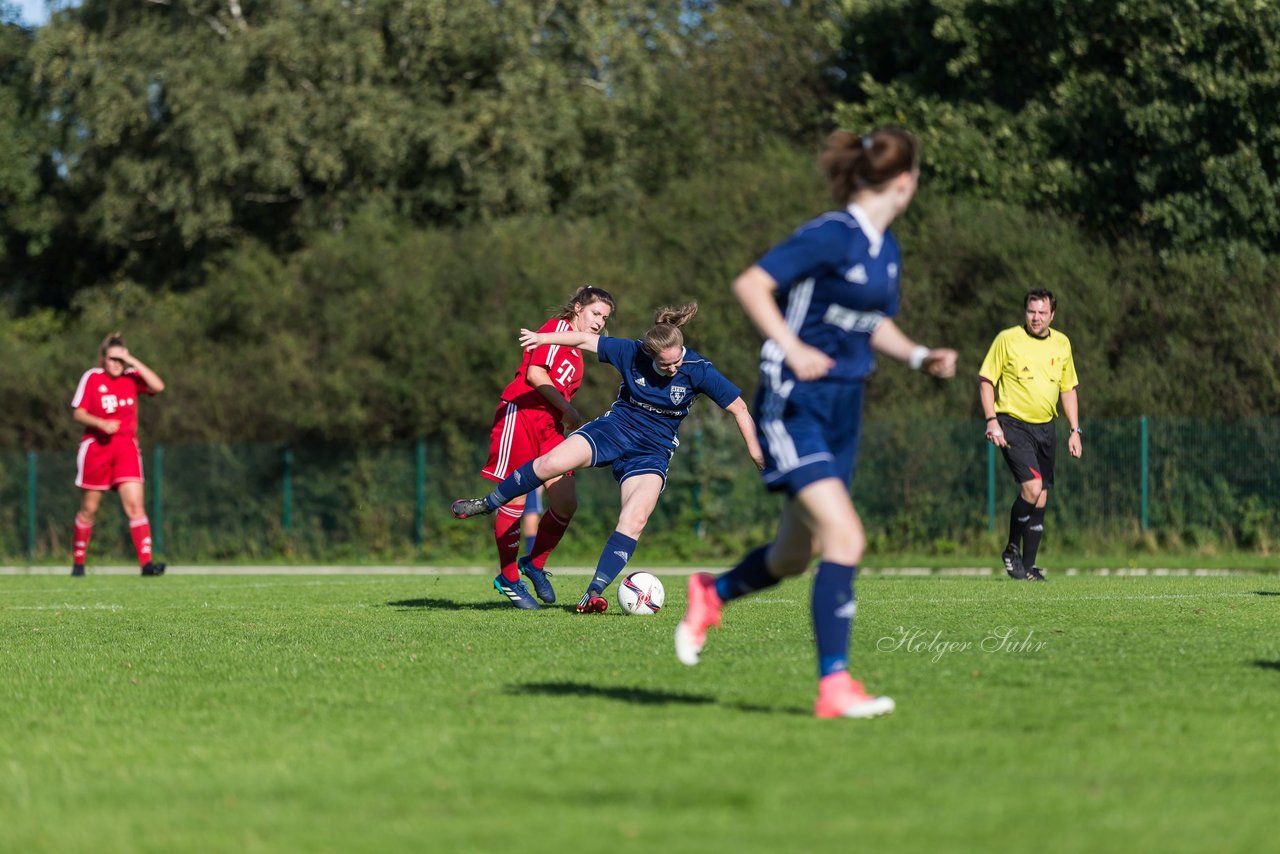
<point x="550" y="529"/>
<point x="80" y="545"/>
<point x="506" y="533"/>
<point x="140" y="530"/>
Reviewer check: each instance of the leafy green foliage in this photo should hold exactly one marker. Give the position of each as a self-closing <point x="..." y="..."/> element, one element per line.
<point x="1149" y="118"/>
<point x="185" y="127"/>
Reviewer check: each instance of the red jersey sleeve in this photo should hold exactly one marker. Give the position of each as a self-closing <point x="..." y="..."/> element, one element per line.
<point x="562" y="364"/>
<point x="138" y="381"/>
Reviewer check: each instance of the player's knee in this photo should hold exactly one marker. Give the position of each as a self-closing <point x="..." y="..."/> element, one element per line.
<point x="785" y="561"/>
<point x="565" y="507"/>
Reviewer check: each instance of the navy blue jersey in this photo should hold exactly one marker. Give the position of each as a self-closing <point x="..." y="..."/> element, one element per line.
<point x="652" y="404"/>
<point x="837" y="279"/>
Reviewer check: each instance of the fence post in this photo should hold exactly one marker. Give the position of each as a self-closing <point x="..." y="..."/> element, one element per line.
<point x="157" y="499"/>
<point x="1144" y="451"/>
<point x="286" y="490"/>
<point x="991" y="487"/>
<point x="419" y="488"/>
<point x="697" y="484"/>
<point x="31" y="506"/>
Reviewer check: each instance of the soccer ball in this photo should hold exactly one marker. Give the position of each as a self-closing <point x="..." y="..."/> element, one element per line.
<point x="641" y="593"/>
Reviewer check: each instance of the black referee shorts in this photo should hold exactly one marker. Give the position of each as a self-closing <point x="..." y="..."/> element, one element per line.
<point x="1031" y="450"/>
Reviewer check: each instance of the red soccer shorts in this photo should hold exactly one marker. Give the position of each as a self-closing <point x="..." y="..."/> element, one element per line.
<point x="518" y="436"/>
<point x="106" y="465"/>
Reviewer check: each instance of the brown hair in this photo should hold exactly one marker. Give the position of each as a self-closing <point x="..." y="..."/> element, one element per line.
<point x="665" y="331"/>
<point x="114" y="339"/>
<point x="1040" y="293"/>
<point x="851" y="162"/>
<point x="585" y="296"/>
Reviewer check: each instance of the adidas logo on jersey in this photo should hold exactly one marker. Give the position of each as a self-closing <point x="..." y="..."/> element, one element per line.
<point x="640" y="381"/>
<point x="856" y="274"/>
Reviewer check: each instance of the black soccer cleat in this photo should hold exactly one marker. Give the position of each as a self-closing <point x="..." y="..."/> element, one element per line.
<point x="1013" y="563"/>
<point x="1035" y="573"/>
<point x="465" y="508"/>
<point x="153" y="568"/>
<point x="77" y="569"/>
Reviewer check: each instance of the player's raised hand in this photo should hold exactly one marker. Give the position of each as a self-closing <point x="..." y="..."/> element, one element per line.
<point x="529" y="340"/>
<point x="808" y="363"/>
<point x="941" y="363"/>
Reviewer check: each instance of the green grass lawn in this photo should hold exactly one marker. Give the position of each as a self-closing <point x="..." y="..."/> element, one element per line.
<point x="348" y="713"/>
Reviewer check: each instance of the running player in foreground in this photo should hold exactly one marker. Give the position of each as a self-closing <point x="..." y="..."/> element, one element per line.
<point x="824" y="300"/>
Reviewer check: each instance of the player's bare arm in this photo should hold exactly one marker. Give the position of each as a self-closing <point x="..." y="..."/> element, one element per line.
<point x="754" y="291"/>
<point x="893" y="342"/>
<point x="541" y="381"/>
<point x="154" y="384"/>
<point x="106" y="425"/>
<point x="747" y="427"/>
<point x="987" y="393"/>
<point x="530" y="340"/>
<point x="1071" y="409"/>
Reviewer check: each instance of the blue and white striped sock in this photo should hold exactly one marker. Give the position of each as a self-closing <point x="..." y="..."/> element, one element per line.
<point x="618" y="549"/>
<point x="833" y="606"/>
<point x="519" y="482"/>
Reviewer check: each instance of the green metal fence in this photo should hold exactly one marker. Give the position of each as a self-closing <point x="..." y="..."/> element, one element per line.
<point x="921" y="486"/>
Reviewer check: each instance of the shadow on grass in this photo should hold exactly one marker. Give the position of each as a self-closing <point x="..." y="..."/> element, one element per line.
<point x="448" y="605"/>
<point x="1267" y="665"/>
<point x="1266" y="593"/>
<point x="639" y="696"/>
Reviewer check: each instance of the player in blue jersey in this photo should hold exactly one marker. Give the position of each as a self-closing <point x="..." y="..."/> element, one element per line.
<point x="661" y="378"/>
<point x="824" y="300"/>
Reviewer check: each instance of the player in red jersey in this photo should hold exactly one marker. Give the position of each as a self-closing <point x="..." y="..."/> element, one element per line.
<point x="532" y="417"/>
<point x="106" y="403"/>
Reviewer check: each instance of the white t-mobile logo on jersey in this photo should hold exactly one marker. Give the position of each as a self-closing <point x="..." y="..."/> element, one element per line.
<point x="110" y="403"/>
<point x="565" y="373"/>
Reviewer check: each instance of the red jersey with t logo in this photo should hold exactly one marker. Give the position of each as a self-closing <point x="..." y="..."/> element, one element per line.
<point x="112" y="398"/>
<point x="563" y="364"/>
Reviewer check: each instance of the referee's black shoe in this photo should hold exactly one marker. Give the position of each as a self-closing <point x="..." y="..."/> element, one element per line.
<point x="1013" y="563"/>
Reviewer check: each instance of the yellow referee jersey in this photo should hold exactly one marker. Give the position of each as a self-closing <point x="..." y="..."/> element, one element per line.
<point x="1029" y="373"/>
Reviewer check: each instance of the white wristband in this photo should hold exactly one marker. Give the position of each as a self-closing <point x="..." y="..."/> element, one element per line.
<point x="917" y="357"/>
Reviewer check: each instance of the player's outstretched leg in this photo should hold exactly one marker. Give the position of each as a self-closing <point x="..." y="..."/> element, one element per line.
<point x="702" y="612"/>
<point x="842" y="696"/>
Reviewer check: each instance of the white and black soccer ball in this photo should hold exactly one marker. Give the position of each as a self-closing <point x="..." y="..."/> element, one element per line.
<point x="641" y="593"/>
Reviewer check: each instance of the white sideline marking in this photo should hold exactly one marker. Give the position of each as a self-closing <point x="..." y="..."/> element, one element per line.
<point x="393" y="569"/>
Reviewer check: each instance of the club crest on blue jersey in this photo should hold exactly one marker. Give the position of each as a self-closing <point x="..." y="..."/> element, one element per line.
<point x="678" y="393"/>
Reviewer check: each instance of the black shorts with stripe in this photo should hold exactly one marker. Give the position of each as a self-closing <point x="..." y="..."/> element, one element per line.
<point x="1031" y="450"/>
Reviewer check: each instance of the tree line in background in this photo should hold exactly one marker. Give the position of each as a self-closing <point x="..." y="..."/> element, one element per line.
<point x="328" y="220"/>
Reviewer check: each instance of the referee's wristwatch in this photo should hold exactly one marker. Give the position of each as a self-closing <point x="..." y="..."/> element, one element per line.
<point x="1079" y="430"/>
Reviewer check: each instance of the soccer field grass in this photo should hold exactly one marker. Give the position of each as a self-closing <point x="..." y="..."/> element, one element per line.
<point x="350" y="713"/>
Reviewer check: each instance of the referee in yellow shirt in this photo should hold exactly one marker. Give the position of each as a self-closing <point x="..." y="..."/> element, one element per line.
<point x="1026" y="371"/>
